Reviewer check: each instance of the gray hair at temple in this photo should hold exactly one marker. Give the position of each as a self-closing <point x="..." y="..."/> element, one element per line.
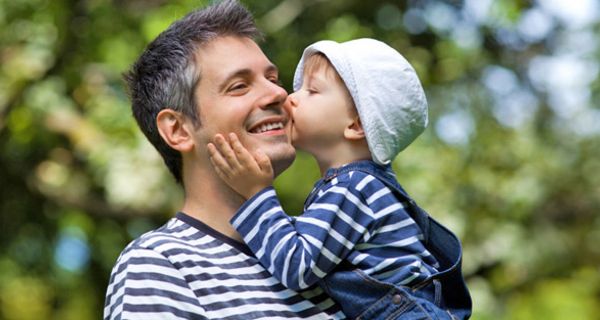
<point x="166" y="74"/>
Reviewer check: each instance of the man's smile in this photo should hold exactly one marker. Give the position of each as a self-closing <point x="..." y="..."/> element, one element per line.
<point x="271" y="125"/>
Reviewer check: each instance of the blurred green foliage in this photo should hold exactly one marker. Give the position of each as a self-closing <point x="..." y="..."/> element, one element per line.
<point x="509" y="162"/>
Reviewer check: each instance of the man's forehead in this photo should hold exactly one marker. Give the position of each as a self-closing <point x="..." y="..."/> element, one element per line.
<point x="230" y="54"/>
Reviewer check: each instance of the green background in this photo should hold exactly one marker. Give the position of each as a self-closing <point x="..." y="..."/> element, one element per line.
<point x="510" y="160"/>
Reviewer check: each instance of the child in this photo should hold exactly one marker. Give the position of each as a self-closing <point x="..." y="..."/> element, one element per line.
<point x="356" y="105"/>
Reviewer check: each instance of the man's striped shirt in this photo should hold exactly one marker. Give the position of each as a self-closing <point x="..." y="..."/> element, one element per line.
<point x="186" y="270"/>
<point x="353" y="217"/>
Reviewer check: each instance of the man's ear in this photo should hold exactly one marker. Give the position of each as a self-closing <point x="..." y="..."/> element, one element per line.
<point x="354" y="130"/>
<point x="174" y="128"/>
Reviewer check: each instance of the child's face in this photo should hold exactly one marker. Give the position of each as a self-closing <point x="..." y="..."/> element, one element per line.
<point x="321" y="111"/>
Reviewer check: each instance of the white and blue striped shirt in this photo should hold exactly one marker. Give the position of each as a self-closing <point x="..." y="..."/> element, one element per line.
<point x="354" y="217"/>
<point x="186" y="270"/>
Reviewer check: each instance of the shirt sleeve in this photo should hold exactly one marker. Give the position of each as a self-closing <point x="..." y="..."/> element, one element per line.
<point x="300" y="251"/>
<point x="145" y="285"/>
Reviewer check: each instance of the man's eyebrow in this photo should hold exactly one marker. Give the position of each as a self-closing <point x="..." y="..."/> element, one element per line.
<point x="243" y="73"/>
<point x="272" y="68"/>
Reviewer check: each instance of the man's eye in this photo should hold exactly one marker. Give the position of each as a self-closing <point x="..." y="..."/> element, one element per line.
<point x="238" y="86"/>
<point x="276" y="81"/>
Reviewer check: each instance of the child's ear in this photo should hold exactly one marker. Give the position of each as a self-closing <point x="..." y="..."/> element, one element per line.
<point x="175" y="130"/>
<point x="354" y="131"/>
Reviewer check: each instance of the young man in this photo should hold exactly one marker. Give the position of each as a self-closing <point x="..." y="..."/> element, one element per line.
<point x="361" y="237"/>
<point x="203" y="75"/>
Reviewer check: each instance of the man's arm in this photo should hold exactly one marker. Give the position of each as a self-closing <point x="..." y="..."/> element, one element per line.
<point x="145" y="285"/>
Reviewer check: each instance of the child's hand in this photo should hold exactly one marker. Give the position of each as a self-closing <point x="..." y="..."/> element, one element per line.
<point x="244" y="173"/>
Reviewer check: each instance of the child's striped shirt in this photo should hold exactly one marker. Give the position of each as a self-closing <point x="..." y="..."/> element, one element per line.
<point x="353" y="217"/>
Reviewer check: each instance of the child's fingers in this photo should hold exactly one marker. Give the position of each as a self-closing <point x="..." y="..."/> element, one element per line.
<point x="243" y="155"/>
<point x="220" y="173"/>
<point x="264" y="162"/>
<point x="221" y="165"/>
<point x="212" y="150"/>
<point x="226" y="151"/>
<point x="237" y="146"/>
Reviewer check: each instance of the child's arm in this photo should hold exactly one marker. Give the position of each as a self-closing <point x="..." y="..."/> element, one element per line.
<point x="300" y="251"/>
<point x="244" y="173"/>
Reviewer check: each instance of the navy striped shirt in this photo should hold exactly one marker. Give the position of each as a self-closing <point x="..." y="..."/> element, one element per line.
<point x="353" y="217"/>
<point x="186" y="270"/>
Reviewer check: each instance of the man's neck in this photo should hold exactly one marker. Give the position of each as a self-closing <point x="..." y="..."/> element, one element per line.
<point x="209" y="200"/>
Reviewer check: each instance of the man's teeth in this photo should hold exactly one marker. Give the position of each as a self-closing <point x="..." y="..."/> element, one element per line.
<point x="268" y="127"/>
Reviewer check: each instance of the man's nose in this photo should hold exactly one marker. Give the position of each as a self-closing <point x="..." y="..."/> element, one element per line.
<point x="274" y="95"/>
<point x="288" y="105"/>
<point x="293" y="100"/>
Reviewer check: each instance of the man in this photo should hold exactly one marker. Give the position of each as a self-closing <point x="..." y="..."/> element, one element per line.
<point x="205" y="75"/>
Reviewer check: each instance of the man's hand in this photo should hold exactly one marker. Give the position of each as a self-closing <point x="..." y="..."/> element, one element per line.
<point x="243" y="172"/>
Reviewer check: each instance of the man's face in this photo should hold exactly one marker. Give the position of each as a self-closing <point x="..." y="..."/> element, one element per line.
<point x="238" y="92"/>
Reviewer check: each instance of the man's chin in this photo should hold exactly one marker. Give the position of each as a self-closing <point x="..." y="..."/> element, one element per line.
<point x="282" y="159"/>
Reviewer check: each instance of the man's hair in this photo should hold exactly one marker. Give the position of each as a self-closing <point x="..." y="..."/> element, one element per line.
<point x="165" y="75"/>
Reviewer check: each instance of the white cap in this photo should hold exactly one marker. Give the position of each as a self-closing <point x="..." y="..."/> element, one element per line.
<point x="385" y="88"/>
